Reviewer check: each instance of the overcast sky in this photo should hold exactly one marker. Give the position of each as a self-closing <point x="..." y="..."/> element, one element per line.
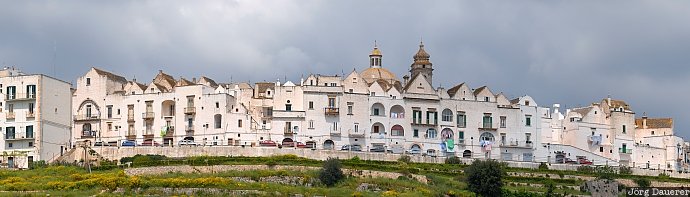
<point x="568" y="52"/>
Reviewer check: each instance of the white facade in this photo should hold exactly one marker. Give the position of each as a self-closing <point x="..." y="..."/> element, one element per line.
<point x="35" y="118"/>
<point x="373" y="109"/>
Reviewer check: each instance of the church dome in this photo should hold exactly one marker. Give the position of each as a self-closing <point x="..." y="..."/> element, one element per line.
<point x="421" y="54"/>
<point x="370" y="75"/>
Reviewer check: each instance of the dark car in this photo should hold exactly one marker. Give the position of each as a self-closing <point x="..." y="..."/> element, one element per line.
<point x="129" y="143"/>
<point x="354" y="147"/>
<point x="378" y="149"/>
<point x="101" y="143"/>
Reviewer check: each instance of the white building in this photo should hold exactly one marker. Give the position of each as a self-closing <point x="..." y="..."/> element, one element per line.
<point x="35" y="118"/>
<point x="110" y="109"/>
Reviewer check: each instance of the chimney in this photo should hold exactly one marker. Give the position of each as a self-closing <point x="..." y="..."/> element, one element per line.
<point x="405" y="80"/>
<point x="193" y="79"/>
<point x="608" y="99"/>
<point x="556" y="108"/>
<point x="160" y="71"/>
<point x="644" y="120"/>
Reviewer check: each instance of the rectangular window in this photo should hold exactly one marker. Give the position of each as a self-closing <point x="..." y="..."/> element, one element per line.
<point x="528" y="120"/>
<point x="288" y="107"/>
<point x="31" y="91"/>
<point x="357" y="128"/>
<point x="528" y="138"/>
<point x="462" y="122"/>
<point x="30" y="131"/>
<point x="110" y="127"/>
<point x="335" y="126"/>
<point x="416" y="117"/>
<point x="11" y="92"/>
<point x="239" y="123"/>
<point x="31" y="108"/>
<point x="503" y="139"/>
<point x="311" y="124"/>
<point x="331" y="102"/>
<point x="311" y="105"/>
<point x="88" y="81"/>
<point x="110" y="111"/>
<point x="461" y="135"/>
<point x="376" y="112"/>
<point x="486" y="99"/>
<point x="376" y="129"/>
<point x="487" y="122"/>
<point x="350" y="107"/>
<point x="217" y="105"/>
<point x="9" y="133"/>
<point x="624" y="129"/>
<point x="601" y="149"/>
<point x="415" y="133"/>
<point x="503" y="122"/>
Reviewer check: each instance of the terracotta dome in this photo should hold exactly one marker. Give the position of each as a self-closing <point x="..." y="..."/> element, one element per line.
<point x="370" y="75"/>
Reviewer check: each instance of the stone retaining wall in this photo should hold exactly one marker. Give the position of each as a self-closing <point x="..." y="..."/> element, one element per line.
<point x="159" y="170"/>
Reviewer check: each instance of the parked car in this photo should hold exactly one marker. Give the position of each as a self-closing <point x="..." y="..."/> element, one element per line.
<point x="128" y="143"/>
<point x="414" y="151"/>
<point x="354" y="147"/>
<point x="188" y="143"/>
<point x="150" y="143"/>
<point x="267" y="143"/>
<point x="301" y="145"/>
<point x="101" y="143"/>
<point x="569" y="161"/>
<point x="378" y="149"/>
<point x="584" y="161"/>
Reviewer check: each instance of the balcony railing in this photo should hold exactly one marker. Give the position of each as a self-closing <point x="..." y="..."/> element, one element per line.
<point x="189" y="128"/>
<point x="335" y="133"/>
<point x="86" y="117"/>
<point x="356" y="134"/>
<point x="19" y="136"/>
<point x="331" y="111"/>
<point x="461" y="141"/>
<point x="88" y="134"/>
<point x="625" y="150"/>
<point x="528" y="144"/>
<point x="130" y="117"/>
<point x="20" y="96"/>
<point x="190" y="110"/>
<point x="131" y="135"/>
<point x="9" y="115"/>
<point x="30" y="115"/>
<point x="147" y="115"/>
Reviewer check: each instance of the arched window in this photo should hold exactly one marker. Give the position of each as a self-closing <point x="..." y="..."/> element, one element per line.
<point x="397" y="111"/>
<point x="397" y="130"/>
<point x="486" y="137"/>
<point x="447" y="115"/>
<point x="431" y="133"/>
<point x="218" y="120"/>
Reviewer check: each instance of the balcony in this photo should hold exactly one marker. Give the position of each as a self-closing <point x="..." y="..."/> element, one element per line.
<point x="148" y="135"/>
<point x="191" y="110"/>
<point x="625" y="150"/>
<point x="487" y="128"/>
<point x="331" y="111"/>
<point x="516" y="144"/>
<point x="20" y="97"/>
<point x="88" y="134"/>
<point x="30" y="115"/>
<point x="86" y="117"/>
<point x="335" y="133"/>
<point x="131" y="135"/>
<point x="418" y="123"/>
<point x="288" y="131"/>
<point x="170" y="132"/>
<point x="189" y="129"/>
<point x="130" y="117"/>
<point x="356" y="134"/>
<point x="288" y="114"/>
<point x="9" y="115"/>
<point x="18" y="136"/>
<point x="528" y="144"/>
<point x="147" y="115"/>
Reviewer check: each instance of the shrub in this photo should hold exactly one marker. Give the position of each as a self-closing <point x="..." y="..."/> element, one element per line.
<point x="664" y="175"/>
<point x="331" y="172"/>
<point x="453" y="160"/>
<point x="355" y="159"/>
<point x="484" y="177"/>
<point x="643" y="182"/>
<point x="543" y="166"/>
<point x="624" y="170"/>
<point x="404" y="159"/>
<point x="585" y="169"/>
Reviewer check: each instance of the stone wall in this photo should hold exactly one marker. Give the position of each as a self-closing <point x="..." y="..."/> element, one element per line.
<point x="115" y="153"/>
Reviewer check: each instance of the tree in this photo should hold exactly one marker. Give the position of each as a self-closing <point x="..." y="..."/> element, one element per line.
<point x="484" y="177"/>
<point x="453" y="160"/>
<point x="331" y="173"/>
<point x="643" y="182"/>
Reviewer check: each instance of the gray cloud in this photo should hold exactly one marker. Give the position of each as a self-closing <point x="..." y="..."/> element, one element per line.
<point x="566" y="52"/>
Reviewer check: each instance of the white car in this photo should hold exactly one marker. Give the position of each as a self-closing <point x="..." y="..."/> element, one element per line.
<point x="188" y="143"/>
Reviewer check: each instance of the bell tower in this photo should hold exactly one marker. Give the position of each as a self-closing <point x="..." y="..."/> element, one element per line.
<point x="422" y="65"/>
<point x="375" y="57"/>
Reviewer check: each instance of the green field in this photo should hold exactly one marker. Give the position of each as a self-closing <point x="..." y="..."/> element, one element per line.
<point x="443" y="179"/>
